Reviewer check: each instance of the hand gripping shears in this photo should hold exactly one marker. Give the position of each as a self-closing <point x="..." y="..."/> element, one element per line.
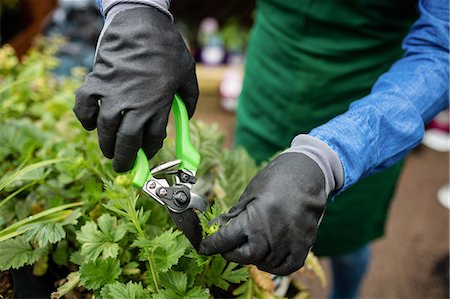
<point x="178" y="198"/>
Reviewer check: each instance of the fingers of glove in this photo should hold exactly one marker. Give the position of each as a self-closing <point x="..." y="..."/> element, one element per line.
<point x="228" y="237"/>
<point x="128" y="142"/>
<point x="188" y="91"/>
<point x="154" y="134"/>
<point x="275" y="258"/>
<point x="86" y="106"/>
<point x="251" y="252"/>
<point x="289" y="265"/>
<point x="235" y="210"/>
<point x="107" y="127"/>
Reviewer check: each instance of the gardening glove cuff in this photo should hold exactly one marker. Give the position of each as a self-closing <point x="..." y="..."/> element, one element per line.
<point x="324" y="156"/>
<point x="108" y="5"/>
<point x="113" y="7"/>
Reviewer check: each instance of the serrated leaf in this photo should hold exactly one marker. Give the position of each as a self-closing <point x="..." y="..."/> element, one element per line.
<point x="45" y="233"/>
<point x="194" y="293"/>
<point x="174" y="280"/>
<point x="222" y="273"/>
<point x="166" y="257"/>
<point x="18" y="252"/>
<point x="201" y="260"/>
<point x="119" y="290"/>
<point x="234" y="275"/>
<point x="167" y="293"/>
<point x="162" y="240"/>
<point x="165" y="249"/>
<point x="209" y="227"/>
<point x="77" y="258"/>
<point x="103" y="242"/>
<point x="197" y="293"/>
<point x="100" y="272"/>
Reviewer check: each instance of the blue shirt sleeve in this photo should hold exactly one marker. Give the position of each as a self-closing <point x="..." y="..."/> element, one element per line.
<point x="381" y="128"/>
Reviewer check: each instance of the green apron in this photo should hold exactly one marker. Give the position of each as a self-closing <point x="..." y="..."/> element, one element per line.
<point x="307" y="61"/>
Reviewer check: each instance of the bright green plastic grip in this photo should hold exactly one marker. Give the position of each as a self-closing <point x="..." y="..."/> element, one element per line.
<point x="185" y="151"/>
<point x="141" y="170"/>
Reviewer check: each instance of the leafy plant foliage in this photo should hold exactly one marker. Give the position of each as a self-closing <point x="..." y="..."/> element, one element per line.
<point x="61" y="201"/>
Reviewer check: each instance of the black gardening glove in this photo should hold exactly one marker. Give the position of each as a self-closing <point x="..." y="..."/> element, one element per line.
<point x="141" y="63"/>
<point x="275" y="222"/>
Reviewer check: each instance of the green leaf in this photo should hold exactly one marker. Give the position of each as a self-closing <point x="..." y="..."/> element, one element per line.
<point x="165" y="249"/>
<point x="222" y="273"/>
<point x="77" y="258"/>
<point x="21" y="172"/>
<point x="61" y="253"/>
<point x="103" y="241"/>
<point x="18" y="252"/>
<point x="197" y="293"/>
<point x="234" y="275"/>
<point x="167" y="237"/>
<point x="194" y="293"/>
<point x="100" y="272"/>
<point x="211" y="213"/>
<point x="245" y="290"/>
<point x="167" y="256"/>
<point x="174" y="280"/>
<point x="166" y="293"/>
<point x="45" y="233"/>
<point x="119" y="290"/>
<point x="54" y="214"/>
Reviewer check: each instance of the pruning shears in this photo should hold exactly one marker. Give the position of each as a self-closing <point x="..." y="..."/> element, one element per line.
<point x="178" y="198"/>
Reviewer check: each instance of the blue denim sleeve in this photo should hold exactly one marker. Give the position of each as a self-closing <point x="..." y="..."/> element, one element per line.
<point x="381" y="128"/>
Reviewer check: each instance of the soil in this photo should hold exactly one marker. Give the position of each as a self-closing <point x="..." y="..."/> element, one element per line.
<point x="6" y="285"/>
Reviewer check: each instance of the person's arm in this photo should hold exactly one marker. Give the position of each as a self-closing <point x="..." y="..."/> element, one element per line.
<point x="141" y="61"/>
<point x="383" y="127"/>
<point x="275" y="222"/>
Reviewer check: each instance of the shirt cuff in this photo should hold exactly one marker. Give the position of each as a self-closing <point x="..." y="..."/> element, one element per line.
<point x="324" y="156"/>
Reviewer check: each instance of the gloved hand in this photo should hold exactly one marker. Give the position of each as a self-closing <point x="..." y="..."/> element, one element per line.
<point x="275" y="222"/>
<point x="141" y="63"/>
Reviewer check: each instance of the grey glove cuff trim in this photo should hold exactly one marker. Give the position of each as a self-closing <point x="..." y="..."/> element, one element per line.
<point x="324" y="156"/>
<point x="113" y="11"/>
<point x="162" y="5"/>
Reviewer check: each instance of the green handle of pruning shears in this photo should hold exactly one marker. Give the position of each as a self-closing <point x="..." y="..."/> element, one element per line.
<point x="185" y="151"/>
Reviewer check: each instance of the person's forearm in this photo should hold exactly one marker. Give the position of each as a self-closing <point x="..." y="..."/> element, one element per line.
<point x="163" y="5"/>
<point x="380" y="129"/>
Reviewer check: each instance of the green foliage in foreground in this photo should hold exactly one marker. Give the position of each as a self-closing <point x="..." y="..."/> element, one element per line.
<point x="60" y="201"/>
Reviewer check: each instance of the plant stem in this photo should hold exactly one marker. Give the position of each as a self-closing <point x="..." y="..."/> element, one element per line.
<point x="137" y="225"/>
<point x="202" y="279"/>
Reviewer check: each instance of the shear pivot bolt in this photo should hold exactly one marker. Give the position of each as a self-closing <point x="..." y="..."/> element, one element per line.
<point x="181" y="198"/>
<point x="184" y="178"/>
<point x="162" y="192"/>
<point x="152" y="185"/>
